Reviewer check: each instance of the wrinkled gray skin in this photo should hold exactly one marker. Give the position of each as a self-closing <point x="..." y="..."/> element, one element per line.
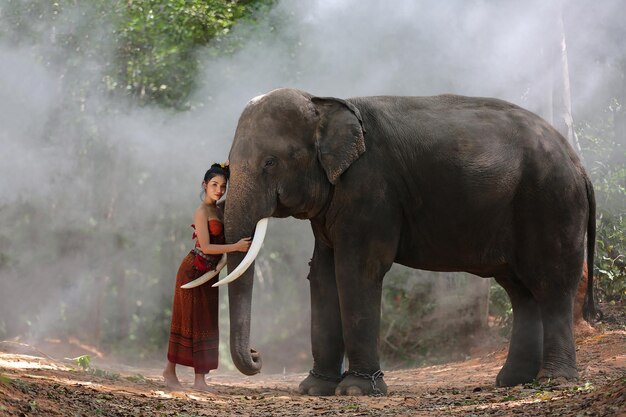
<point x="445" y="183"/>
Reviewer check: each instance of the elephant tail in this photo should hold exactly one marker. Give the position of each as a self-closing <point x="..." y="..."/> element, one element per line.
<point x="589" y="307"/>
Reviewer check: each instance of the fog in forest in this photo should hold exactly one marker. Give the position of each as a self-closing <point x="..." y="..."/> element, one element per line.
<point x="96" y="212"/>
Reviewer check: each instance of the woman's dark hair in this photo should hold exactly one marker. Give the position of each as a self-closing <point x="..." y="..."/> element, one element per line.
<point x="215" y="170"/>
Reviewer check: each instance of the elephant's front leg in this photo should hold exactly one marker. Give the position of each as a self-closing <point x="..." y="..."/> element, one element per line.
<point x="359" y="281"/>
<point x="326" y="332"/>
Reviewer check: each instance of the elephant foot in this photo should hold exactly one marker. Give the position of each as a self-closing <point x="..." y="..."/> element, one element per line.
<point x="355" y="383"/>
<point x="318" y="385"/>
<point x="558" y="377"/>
<point x="510" y="376"/>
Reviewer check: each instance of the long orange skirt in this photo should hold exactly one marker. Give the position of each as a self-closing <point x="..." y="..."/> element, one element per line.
<point x="194" y="334"/>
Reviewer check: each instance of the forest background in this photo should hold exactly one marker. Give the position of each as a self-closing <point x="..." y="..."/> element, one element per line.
<point x="111" y="111"/>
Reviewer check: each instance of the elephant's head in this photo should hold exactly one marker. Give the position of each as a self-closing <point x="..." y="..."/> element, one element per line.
<point x="289" y="150"/>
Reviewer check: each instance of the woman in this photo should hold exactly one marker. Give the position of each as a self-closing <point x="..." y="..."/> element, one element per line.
<point x="194" y="334"/>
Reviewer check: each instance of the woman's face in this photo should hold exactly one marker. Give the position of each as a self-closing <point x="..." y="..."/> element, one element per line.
<point x="215" y="188"/>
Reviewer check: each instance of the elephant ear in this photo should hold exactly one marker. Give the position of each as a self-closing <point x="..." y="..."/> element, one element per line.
<point x="339" y="137"/>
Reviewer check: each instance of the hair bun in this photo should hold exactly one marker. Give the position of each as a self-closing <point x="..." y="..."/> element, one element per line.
<point x="217" y="169"/>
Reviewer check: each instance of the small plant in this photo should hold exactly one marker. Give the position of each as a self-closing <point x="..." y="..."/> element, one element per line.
<point x="83" y="361"/>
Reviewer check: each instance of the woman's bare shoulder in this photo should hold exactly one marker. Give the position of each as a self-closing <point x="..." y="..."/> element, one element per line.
<point x="201" y="213"/>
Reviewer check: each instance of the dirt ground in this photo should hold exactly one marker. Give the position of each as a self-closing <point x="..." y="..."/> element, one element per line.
<point x="34" y="384"/>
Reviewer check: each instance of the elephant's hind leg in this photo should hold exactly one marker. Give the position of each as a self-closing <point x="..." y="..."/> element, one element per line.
<point x="554" y="283"/>
<point x="525" y="348"/>
<point x="559" y="352"/>
<point x="326" y="331"/>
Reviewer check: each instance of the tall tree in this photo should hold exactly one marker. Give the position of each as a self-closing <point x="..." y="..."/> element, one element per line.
<point x="561" y="94"/>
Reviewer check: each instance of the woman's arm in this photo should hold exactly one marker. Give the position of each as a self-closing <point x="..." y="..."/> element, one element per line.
<point x="201" y="219"/>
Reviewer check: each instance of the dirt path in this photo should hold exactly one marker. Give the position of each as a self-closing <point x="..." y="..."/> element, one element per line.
<point x="32" y="384"/>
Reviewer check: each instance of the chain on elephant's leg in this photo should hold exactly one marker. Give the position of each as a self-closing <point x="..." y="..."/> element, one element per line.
<point x="318" y="384"/>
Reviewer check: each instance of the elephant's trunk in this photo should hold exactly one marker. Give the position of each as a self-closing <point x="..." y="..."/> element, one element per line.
<point x="239" y="223"/>
<point x="240" y="303"/>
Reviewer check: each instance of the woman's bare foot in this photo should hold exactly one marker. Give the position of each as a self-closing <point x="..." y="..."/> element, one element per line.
<point x="171" y="380"/>
<point x="200" y="384"/>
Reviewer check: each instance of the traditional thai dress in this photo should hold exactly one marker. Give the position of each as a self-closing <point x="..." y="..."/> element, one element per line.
<point x="194" y="333"/>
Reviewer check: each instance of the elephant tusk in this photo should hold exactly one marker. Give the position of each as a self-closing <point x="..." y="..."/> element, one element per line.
<point x="255" y="247"/>
<point x="206" y="277"/>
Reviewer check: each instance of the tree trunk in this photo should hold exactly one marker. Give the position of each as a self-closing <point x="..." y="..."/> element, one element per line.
<point x="619" y="125"/>
<point x="562" y="118"/>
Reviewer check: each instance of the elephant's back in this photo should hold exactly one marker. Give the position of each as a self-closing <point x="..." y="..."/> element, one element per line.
<point x="443" y="118"/>
<point x="465" y="135"/>
<point x="443" y="151"/>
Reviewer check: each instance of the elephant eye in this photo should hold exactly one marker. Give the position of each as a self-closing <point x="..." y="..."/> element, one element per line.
<point x="270" y="162"/>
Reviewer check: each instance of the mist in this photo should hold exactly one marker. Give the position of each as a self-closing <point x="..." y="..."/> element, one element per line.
<point x="101" y="193"/>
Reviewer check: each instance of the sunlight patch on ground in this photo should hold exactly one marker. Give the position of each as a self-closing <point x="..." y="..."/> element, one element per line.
<point x="438" y="371"/>
<point x="28" y="362"/>
<point x="162" y="394"/>
<point x="200" y="397"/>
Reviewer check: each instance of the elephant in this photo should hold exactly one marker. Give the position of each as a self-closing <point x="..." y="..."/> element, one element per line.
<point x="439" y="183"/>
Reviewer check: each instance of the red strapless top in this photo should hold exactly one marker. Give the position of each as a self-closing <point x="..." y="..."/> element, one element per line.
<point x="216" y="232"/>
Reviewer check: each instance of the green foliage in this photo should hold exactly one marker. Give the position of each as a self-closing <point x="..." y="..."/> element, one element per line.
<point x="152" y="43"/>
<point x="500" y="308"/>
<point x="604" y="148"/>
<point x="157" y="40"/>
<point x="83" y="361"/>
<point x="610" y="269"/>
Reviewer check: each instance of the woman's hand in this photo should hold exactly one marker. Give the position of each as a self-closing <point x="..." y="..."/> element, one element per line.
<point x="243" y="245"/>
